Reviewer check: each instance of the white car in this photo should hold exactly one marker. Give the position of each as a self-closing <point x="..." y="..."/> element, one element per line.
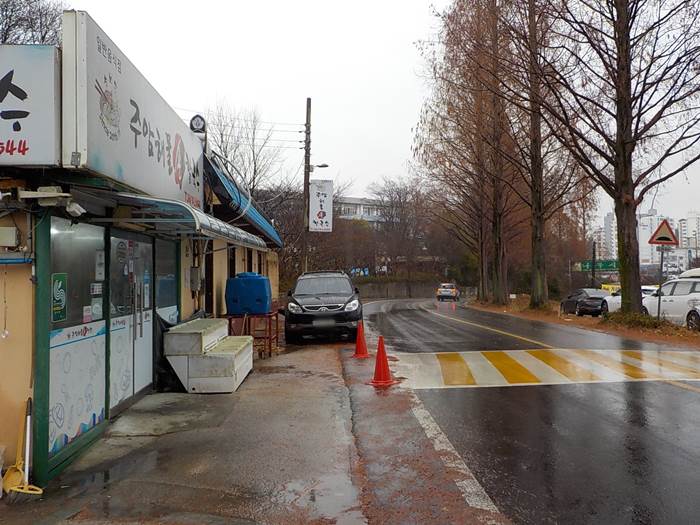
<point x="447" y="292"/>
<point x="613" y="302"/>
<point x="679" y="299"/>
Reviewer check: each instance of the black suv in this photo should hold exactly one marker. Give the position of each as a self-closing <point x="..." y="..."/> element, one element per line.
<point x="322" y="303"/>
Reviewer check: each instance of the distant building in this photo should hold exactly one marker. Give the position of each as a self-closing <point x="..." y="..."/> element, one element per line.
<point x="359" y="208"/>
<point x="607" y="243"/>
<point x="689" y="231"/>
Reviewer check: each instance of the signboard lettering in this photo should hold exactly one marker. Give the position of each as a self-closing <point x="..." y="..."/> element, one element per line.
<point x="29" y="106"/>
<point x="132" y="135"/>
<point x="321" y="206"/>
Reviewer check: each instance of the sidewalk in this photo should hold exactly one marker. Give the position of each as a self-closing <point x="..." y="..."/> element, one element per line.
<point x="278" y="451"/>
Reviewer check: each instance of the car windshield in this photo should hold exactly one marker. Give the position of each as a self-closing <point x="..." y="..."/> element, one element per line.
<point x="597" y="293"/>
<point x="323" y="285"/>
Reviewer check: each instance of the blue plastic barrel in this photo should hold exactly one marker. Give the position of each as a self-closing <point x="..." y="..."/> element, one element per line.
<point x="248" y="293"/>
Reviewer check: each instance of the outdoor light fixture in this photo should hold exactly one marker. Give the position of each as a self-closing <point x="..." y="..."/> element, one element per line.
<point x="198" y="124"/>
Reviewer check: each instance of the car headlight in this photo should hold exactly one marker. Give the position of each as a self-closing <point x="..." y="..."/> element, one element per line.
<point x="294" y="308"/>
<point x="352" y="305"/>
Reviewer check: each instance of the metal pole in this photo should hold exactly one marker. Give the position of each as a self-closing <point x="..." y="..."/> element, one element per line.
<point x="307" y="174"/>
<point x="593" y="268"/>
<point x="661" y="281"/>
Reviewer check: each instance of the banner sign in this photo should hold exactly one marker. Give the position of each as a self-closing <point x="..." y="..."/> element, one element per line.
<point x="29" y="106"/>
<point x="115" y="124"/>
<point x="321" y="206"/>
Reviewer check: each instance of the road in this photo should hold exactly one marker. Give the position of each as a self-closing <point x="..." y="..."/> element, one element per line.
<point x="558" y="424"/>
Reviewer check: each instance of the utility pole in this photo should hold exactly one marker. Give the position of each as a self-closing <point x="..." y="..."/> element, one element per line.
<point x="593" y="267"/>
<point x="307" y="174"/>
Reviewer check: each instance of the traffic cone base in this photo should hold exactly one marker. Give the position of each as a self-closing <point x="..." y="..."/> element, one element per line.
<point x="360" y="343"/>
<point x="382" y="373"/>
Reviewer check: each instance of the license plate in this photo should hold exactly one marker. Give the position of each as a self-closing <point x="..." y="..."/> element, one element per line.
<point x="323" y="322"/>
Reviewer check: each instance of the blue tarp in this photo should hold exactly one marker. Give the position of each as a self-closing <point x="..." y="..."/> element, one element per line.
<point x="239" y="202"/>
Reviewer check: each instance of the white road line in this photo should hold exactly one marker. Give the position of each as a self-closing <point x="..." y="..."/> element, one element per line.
<point x="472" y="491"/>
<point x="544" y="372"/>
<point x="482" y="369"/>
<point x="601" y="371"/>
<point x="689" y="359"/>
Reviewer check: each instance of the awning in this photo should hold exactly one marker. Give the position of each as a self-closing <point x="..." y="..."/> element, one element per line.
<point x="233" y="197"/>
<point x="168" y="217"/>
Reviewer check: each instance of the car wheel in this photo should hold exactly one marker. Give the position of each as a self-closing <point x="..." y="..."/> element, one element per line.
<point x="578" y="311"/>
<point x="645" y="311"/>
<point x="693" y="321"/>
<point x="604" y="308"/>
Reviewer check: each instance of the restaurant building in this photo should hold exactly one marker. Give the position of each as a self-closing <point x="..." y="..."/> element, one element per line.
<point x="107" y="230"/>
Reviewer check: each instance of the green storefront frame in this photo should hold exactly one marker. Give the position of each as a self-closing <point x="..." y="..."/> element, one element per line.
<point x="45" y="467"/>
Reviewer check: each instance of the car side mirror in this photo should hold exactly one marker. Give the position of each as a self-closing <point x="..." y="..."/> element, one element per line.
<point x="656" y="294"/>
<point x="289" y="293"/>
<point x="357" y="290"/>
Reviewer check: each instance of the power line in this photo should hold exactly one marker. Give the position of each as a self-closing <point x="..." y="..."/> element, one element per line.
<point x="241" y="118"/>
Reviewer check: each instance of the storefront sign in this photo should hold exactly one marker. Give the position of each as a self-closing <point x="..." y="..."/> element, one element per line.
<point x="59" y="296"/>
<point x="29" y="106"/>
<point x="321" y="206"/>
<point x="115" y="124"/>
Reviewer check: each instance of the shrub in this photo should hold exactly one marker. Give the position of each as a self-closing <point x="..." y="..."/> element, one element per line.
<point x="637" y="320"/>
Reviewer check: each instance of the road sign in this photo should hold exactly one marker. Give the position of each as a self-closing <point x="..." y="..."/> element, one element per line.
<point x="610" y="265"/>
<point x="664" y="235"/>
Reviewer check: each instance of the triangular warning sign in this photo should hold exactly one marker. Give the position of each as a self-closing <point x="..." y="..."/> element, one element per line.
<point x="664" y="234"/>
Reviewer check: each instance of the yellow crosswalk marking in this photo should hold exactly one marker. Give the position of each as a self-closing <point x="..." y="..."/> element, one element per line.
<point x="509" y="368"/>
<point x="454" y="370"/>
<point x="564" y="366"/>
<point x="627" y="369"/>
<point x="663" y="363"/>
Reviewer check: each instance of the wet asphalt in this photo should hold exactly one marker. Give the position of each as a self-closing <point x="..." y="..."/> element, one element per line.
<point x="575" y="453"/>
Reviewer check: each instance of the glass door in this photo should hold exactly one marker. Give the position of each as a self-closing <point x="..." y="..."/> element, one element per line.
<point x="131" y="325"/>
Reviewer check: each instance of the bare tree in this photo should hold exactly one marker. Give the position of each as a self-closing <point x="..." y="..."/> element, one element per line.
<point x="402" y="209"/>
<point x="622" y="81"/>
<point x="250" y="147"/>
<point x="30" y="21"/>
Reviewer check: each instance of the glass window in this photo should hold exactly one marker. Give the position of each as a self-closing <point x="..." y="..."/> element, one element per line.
<point x="323" y="285"/>
<point x="683" y="288"/>
<point x="77" y="273"/>
<point x="166" y="273"/>
<point x="667" y="288"/>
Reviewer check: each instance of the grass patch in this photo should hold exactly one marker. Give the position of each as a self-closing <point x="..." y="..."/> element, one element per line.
<point x="637" y="320"/>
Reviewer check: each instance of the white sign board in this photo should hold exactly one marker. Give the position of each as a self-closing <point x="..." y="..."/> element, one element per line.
<point x="321" y="206"/>
<point x="29" y="106"/>
<point x="117" y="125"/>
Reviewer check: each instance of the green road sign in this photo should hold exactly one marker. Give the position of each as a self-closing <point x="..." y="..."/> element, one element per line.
<point x="610" y="265"/>
<point x="59" y="296"/>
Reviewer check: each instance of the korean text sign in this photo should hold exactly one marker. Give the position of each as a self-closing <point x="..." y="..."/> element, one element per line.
<point x="29" y="106"/>
<point x="321" y="206"/>
<point x="117" y="125"/>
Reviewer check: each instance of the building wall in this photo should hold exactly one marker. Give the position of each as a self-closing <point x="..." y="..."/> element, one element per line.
<point x="17" y="348"/>
<point x="220" y="257"/>
<point x="273" y="272"/>
<point x="188" y="304"/>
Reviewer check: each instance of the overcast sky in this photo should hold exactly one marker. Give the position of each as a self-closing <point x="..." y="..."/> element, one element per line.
<point x="357" y="60"/>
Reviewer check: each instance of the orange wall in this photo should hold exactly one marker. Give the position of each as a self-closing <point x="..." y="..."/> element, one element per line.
<point x="16" y="349"/>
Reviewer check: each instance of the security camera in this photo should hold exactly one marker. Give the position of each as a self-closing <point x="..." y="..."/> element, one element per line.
<point x="74" y="209"/>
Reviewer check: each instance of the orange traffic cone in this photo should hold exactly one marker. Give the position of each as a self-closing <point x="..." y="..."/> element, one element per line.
<point x="360" y="344"/>
<point x="382" y="373"/>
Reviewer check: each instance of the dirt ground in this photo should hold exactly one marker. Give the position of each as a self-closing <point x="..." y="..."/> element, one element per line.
<point x="677" y="336"/>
